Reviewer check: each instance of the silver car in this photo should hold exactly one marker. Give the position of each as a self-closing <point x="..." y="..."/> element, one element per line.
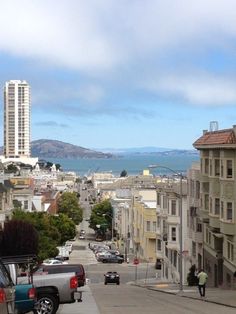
<point x="7" y="292"/>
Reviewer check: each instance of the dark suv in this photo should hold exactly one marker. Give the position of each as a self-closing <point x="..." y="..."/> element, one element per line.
<point x="78" y="269"/>
<point x="7" y="292"/>
<point x="112" y="277"/>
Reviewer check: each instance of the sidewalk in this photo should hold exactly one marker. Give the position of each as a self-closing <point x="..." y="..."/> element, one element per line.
<point x="213" y="295"/>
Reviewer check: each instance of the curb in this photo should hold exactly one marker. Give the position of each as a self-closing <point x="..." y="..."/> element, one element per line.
<point x="184" y="296"/>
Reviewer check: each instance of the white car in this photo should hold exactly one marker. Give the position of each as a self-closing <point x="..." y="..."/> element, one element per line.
<point x="53" y="262"/>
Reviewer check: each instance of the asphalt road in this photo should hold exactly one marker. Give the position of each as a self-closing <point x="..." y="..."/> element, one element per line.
<point x="128" y="298"/>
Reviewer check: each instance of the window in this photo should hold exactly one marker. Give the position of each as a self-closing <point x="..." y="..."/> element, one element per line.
<point x="211" y="205"/>
<point x="154" y="226"/>
<point x="173" y="207"/>
<point x="229" y="168"/>
<point x="206" y="202"/>
<point x="173" y="234"/>
<point x="206" y="165"/>
<point x="158" y="245"/>
<point x="158" y="221"/>
<point x="221" y="168"/>
<point x="230" y="251"/>
<point x="222" y="210"/>
<point x="25" y="204"/>
<point x="148" y="226"/>
<point x="217" y="167"/>
<point x="210" y="166"/>
<point x="229" y="211"/>
<point x="217" y="206"/>
<point x="158" y="199"/>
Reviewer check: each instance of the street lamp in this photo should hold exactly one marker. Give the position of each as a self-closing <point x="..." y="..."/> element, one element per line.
<point x="180" y="175"/>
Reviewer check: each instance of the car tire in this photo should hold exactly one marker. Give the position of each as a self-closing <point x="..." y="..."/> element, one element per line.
<point x="118" y="283"/>
<point x="49" y="303"/>
<point x="105" y="283"/>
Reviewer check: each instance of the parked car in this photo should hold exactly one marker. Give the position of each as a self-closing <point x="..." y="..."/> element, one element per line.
<point x="52" y="262"/>
<point x="111" y="277"/>
<point x="111" y="259"/>
<point x="7" y="291"/>
<point x="78" y="269"/>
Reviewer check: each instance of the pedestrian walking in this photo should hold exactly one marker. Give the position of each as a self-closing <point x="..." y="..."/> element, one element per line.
<point x="202" y="279"/>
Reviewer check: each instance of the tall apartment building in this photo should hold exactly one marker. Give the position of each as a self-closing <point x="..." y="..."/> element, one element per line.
<point x="168" y="231"/>
<point x="218" y="204"/>
<point x="16" y="119"/>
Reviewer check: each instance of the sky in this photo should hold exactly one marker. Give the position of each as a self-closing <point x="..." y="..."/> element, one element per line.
<point x="121" y="74"/>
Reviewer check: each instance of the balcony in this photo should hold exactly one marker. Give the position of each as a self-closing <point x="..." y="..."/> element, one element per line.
<point x="150" y="235"/>
<point x="174" y="220"/>
<point x="173" y="246"/>
<point x="204" y="214"/>
<point x="227" y="227"/>
<point x="214" y="221"/>
<point x="197" y="237"/>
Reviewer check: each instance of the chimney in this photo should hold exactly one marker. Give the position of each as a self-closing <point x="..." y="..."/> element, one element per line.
<point x="234" y="129"/>
<point x="204" y="132"/>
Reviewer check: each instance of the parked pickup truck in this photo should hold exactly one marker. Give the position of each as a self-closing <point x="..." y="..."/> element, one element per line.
<point x="64" y="268"/>
<point x="53" y="290"/>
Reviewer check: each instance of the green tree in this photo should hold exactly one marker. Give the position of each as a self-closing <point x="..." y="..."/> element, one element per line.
<point x="123" y="173"/>
<point x="101" y="215"/>
<point x="48" y="165"/>
<point x="65" y="226"/>
<point x="58" y="166"/>
<point x="12" y="169"/>
<point x="49" y="236"/>
<point x="68" y="204"/>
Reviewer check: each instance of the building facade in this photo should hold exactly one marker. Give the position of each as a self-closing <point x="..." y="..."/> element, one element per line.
<point x="16" y="119"/>
<point x="169" y="226"/>
<point x="218" y="204"/>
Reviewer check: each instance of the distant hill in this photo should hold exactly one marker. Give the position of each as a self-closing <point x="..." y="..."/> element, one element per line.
<point x="149" y="151"/>
<point x="57" y="149"/>
<point x="134" y="150"/>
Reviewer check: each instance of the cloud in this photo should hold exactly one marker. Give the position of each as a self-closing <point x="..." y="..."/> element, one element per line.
<point x="104" y="34"/>
<point x="198" y="89"/>
<point x="51" y="124"/>
<point x="116" y="44"/>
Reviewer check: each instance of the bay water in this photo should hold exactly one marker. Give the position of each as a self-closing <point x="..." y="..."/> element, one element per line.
<point x="133" y="164"/>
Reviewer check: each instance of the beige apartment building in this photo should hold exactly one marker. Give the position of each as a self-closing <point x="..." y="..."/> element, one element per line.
<point x="16" y="119"/>
<point x="144" y="225"/>
<point x="218" y="204"/>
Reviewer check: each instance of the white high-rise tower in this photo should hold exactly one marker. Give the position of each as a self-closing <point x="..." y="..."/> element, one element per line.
<point x="16" y="119"/>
